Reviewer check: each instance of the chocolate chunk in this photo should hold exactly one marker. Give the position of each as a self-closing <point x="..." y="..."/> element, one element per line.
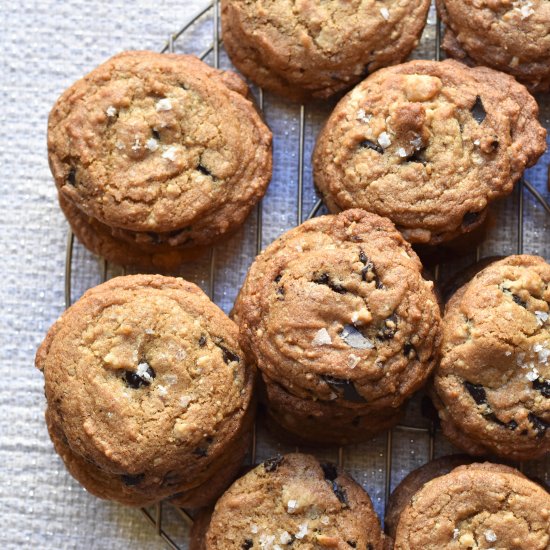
<point x="324" y="279"/>
<point x="368" y="273"/>
<point x="519" y="301"/>
<point x="419" y="155"/>
<point x="71" y="178"/>
<point x="352" y="543"/>
<point x="388" y="329"/>
<point x="271" y="464"/>
<point x="228" y="355"/>
<point x="200" y="451"/>
<point x="348" y="388"/>
<point x="340" y="493"/>
<point x="202" y="341"/>
<point x="278" y="278"/>
<point x="470" y="218"/>
<point x="495" y="144"/>
<point x="136" y="381"/>
<point x="409" y="350"/>
<point x="155" y="134"/>
<point x="248" y="543"/>
<point x="539" y="424"/>
<point x="512" y="425"/>
<point x="478" y="111"/>
<point x="132" y="480"/>
<point x="477" y="392"/>
<point x="368" y="144"/>
<point x="330" y="471"/>
<point x="171" y="478"/>
<point x="370" y="546"/>
<point x="543" y="386"/>
<point x="203" y="170"/>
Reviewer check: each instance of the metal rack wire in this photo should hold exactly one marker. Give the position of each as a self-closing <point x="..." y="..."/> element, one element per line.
<point x="155" y="517"/>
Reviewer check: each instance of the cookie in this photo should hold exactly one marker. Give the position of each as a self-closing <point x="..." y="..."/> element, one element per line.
<point x="165" y="151"/>
<point x="429" y="145"/>
<point x="148" y="391"/>
<point x="293" y="500"/>
<point x="303" y="50"/>
<point x="476" y="506"/>
<point x="413" y="482"/>
<point x="336" y="312"/>
<point x="507" y="35"/>
<point x="492" y="387"/>
<point x="300" y="421"/>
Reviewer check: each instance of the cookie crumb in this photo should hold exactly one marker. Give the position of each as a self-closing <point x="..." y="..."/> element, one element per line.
<point x="163" y="105"/>
<point x="385" y="13"/>
<point x="111" y="111"/>
<point x="322" y="338"/>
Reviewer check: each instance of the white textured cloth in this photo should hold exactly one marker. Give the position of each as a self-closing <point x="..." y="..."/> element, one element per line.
<point x="45" y="46"/>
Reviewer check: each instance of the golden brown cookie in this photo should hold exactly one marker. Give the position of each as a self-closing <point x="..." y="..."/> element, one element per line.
<point x="480" y="506"/>
<point x="492" y="387"/>
<point x="413" y="482"/>
<point x="336" y="312"/>
<point x="148" y="390"/>
<point x="508" y="35"/>
<point x="309" y="49"/>
<point x="429" y="145"/>
<point x="293" y="501"/>
<point x="161" y="148"/>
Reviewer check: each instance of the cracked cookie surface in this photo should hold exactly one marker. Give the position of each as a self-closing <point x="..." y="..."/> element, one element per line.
<point x="476" y="506"/>
<point x="305" y="49"/>
<point x="492" y="387"/>
<point x="145" y="382"/>
<point x="160" y="147"/>
<point x="428" y="144"/>
<point x="293" y="501"/>
<point x="512" y="36"/>
<point x="337" y="310"/>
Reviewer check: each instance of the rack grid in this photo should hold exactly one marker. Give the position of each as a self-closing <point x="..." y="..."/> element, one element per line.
<point x="155" y="515"/>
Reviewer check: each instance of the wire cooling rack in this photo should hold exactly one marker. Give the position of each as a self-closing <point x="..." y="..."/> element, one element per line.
<point x="379" y="465"/>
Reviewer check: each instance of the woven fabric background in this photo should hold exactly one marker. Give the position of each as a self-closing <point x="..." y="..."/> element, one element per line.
<point x="45" y="46"/>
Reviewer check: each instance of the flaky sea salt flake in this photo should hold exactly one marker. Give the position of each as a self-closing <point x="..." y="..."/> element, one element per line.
<point x="152" y="144"/>
<point x="291" y="506"/>
<point x="170" y="153"/>
<point x="322" y="338"/>
<point x="385" y="13"/>
<point x="363" y="117"/>
<point x="285" y="537"/>
<point x="532" y="375"/>
<point x="384" y="140"/>
<point x="302" y="532"/>
<point x="490" y="535"/>
<point x="542" y="317"/>
<point x="163" y="104"/>
<point x="401" y="152"/>
<point x="111" y="111"/>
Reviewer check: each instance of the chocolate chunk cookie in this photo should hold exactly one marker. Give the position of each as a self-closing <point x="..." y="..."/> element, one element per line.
<point x="508" y="35"/>
<point x="492" y="387"/>
<point x="293" y="501"/>
<point x="304" y="49"/>
<point x="148" y="391"/>
<point x="476" y="506"/>
<point x="413" y="482"/>
<point x="159" y="152"/>
<point x="336" y="311"/>
<point x="428" y="144"/>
